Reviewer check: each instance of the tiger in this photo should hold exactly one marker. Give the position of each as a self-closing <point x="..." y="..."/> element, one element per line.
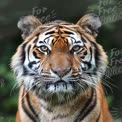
<point x="59" y="68"/>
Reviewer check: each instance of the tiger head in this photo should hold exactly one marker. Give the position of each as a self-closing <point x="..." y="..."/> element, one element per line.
<point x="59" y="58"/>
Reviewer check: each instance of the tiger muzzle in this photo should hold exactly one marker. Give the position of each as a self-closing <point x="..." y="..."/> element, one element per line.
<point x="61" y="71"/>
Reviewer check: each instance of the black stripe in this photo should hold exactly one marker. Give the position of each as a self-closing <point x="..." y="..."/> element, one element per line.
<point x="35" y="55"/>
<point x="87" y="63"/>
<point x="23" y="52"/>
<point x="28" y="50"/>
<point x="25" y="71"/>
<point x="23" y="57"/>
<point x="98" y="118"/>
<point x="85" y="53"/>
<point x="26" y="110"/>
<point x="31" y="64"/>
<point x="78" y="41"/>
<point x="31" y="108"/>
<point x="91" y="107"/>
<point x="46" y="39"/>
<point x="82" y="39"/>
<point x="68" y="32"/>
<point x="82" y="114"/>
<point x="73" y="38"/>
<point x="50" y="32"/>
<point x="90" y="54"/>
<point x="97" y="54"/>
<point x="35" y="41"/>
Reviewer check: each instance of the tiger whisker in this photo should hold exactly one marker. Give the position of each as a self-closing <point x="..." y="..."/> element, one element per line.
<point x="27" y="91"/>
<point x="15" y="86"/>
<point x="91" y="84"/>
<point x="81" y="86"/>
<point x="110" y="83"/>
<point x="107" y="81"/>
<point x="98" y="86"/>
<point x="106" y="84"/>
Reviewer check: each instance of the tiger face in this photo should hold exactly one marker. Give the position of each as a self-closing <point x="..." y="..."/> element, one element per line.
<point x="59" y="58"/>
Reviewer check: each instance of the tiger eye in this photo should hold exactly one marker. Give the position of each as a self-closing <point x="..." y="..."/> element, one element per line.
<point x="44" y="49"/>
<point x="76" y="48"/>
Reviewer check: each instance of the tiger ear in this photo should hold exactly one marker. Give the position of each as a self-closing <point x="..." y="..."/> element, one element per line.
<point x="28" y="24"/>
<point x="90" y="23"/>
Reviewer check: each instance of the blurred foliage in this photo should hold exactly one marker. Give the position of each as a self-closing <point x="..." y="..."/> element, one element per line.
<point x="110" y="37"/>
<point x="8" y="96"/>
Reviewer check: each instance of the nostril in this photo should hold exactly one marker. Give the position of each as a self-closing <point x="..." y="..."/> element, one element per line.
<point x="60" y="71"/>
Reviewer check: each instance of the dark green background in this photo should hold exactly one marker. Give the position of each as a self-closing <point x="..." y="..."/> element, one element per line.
<point x="110" y="37"/>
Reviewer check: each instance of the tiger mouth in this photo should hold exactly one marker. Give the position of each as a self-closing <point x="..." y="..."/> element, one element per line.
<point x="61" y="86"/>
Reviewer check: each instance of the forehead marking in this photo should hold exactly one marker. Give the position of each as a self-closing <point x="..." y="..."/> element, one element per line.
<point x="68" y="35"/>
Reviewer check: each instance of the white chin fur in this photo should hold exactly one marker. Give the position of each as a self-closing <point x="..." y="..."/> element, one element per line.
<point x="60" y="88"/>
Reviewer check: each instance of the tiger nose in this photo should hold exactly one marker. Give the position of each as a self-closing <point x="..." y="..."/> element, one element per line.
<point x="60" y="71"/>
